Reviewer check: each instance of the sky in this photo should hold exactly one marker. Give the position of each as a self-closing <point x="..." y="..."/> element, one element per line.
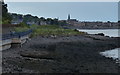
<point x="82" y="11"/>
<point x="62" y="0"/>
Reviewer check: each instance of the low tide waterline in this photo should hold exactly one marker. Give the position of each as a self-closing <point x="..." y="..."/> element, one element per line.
<point x="107" y="32"/>
<point x="114" y="53"/>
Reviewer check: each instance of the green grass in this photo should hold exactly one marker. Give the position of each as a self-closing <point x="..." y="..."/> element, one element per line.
<point x="0" y="22"/>
<point x="47" y="30"/>
<point x="21" y="29"/>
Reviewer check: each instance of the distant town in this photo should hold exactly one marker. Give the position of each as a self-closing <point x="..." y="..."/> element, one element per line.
<point x="30" y="20"/>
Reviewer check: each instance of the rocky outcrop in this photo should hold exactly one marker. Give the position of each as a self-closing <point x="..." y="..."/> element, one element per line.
<point x="65" y="54"/>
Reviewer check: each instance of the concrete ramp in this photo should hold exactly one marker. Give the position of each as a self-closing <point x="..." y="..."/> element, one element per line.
<point x="14" y="38"/>
<point x="5" y="44"/>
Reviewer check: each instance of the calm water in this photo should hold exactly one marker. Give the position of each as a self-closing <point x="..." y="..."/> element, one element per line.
<point x="107" y="32"/>
<point x="111" y="53"/>
<point x="115" y="53"/>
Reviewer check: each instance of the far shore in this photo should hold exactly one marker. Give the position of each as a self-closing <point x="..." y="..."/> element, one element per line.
<point x="86" y="27"/>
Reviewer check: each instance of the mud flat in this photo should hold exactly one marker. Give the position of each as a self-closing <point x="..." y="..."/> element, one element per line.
<point x="62" y="54"/>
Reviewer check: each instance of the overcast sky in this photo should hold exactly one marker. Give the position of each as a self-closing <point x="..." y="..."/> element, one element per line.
<point x="83" y="11"/>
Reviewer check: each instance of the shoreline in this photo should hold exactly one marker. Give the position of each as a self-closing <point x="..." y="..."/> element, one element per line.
<point x="112" y="54"/>
<point x="76" y="27"/>
<point x="62" y="54"/>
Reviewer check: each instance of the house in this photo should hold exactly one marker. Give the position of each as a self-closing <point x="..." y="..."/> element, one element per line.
<point x="16" y="21"/>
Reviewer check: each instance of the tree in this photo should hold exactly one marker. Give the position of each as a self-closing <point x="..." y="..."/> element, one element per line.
<point x="0" y="14"/>
<point x="62" y="23"/>
<point x="6" y="18"/>
<point x="4" y="10"/>
<point x="49" y="21"/>
<point x="42" y="19"/>
<point x="55" y="21"/>
<point x="22" y="24"/>
<point x="108" y="21"/>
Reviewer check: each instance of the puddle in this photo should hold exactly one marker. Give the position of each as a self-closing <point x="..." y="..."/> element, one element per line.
<point x="114" y="54"/>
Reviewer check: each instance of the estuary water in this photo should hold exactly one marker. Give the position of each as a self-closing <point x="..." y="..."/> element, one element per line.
<point x="107" y="32"/>
<point x="114" y="53"/>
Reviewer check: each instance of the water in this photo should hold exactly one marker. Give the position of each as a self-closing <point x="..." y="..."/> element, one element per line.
<point x="107" y="32"/>
<point x="111" y="53"/>
<point x="114" y="53"/>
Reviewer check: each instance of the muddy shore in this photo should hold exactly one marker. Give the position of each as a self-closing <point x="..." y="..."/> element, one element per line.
<point x="61" y="54"/>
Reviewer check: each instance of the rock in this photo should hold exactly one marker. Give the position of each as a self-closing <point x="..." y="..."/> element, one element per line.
<point x="36" y="54"/>
<point x="76" y="30"/>
<point x="101" y="34"/>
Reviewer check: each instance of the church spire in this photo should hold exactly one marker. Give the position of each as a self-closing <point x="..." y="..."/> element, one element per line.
<point x="68" y="17"/>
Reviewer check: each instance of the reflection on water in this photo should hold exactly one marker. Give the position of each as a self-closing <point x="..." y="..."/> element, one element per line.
<point x="107" y="32"/>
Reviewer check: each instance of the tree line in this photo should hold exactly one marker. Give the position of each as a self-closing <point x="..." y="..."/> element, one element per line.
<point x="6" y="18"/>
<point x="9" y="18"/>
<point x="33" y="19"/>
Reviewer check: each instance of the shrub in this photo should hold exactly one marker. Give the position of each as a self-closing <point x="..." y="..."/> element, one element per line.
<point x="22" y="24"/>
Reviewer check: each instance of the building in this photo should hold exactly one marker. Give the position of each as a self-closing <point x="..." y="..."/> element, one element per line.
<point x="71" y="21"/>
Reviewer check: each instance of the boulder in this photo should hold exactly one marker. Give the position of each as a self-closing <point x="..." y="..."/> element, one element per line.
<point x="101" y="34"/>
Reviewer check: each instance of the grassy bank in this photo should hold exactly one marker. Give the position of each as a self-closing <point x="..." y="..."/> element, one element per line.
<point x="21" y="29"/>
<point x="54" y="30"/>
<point x="47" y="30"/>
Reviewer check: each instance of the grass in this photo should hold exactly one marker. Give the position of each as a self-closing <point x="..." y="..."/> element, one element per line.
<point x="0" y="22"/>
<point x="21" y="29"/>
<point x="47" y="30"/>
